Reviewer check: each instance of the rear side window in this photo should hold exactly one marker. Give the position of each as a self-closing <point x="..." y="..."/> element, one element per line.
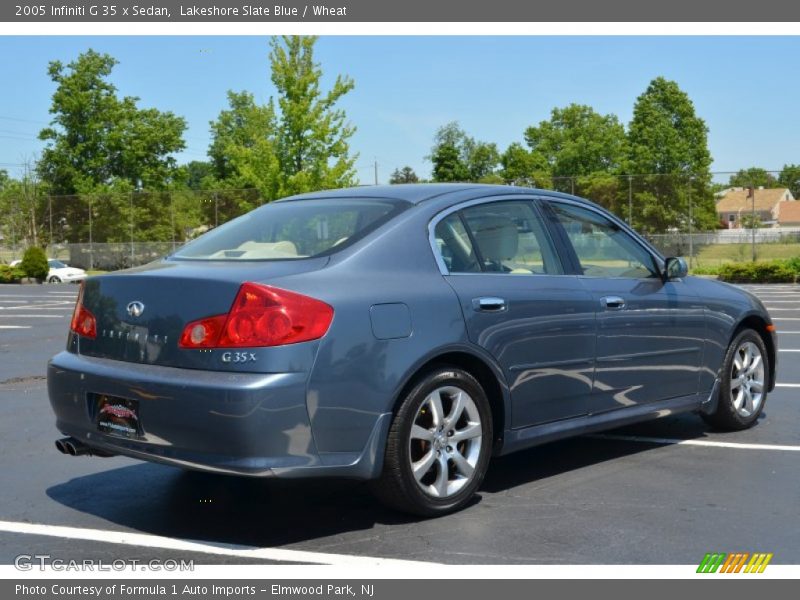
<point x="293" y="230"/>
<point x="510" y="239"/>
<point x="455" y="246"/>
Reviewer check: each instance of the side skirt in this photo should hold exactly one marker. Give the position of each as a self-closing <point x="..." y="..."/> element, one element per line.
<point x="518" y="439"/>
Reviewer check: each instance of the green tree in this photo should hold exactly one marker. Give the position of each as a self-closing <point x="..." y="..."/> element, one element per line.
<point x="299" y="143"/>
<point x="195" y="173"/>
<point x="244" y="158"/>
<point x="458" y="157"/>
<point x="482" y="161"/>
<point x="668" y="151"/>
<point x="755" y="177"/>
<point x="790" y="177"/>
<point x="576" y="142"/>
<point x="96" y="140"/>
<point x="404" y="175"/>
<point x="518" y="166"/>
<point x="104" y="148"/>
<point x="312" y="134"/>
<point x="23" y="206"/>
<point x="751" y="221"/>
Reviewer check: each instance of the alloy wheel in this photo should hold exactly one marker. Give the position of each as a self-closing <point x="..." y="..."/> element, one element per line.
<point x="445" y="442"/>
<point x="747" y="379"/>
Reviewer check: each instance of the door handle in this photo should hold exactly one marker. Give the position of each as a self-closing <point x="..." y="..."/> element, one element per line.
<point x="489" y="304"/>
<point x="612" y="302"/>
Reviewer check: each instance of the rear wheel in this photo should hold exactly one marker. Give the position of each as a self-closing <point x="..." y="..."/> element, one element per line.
<point x="743" y="389"/>
<point x="438" y="446"/>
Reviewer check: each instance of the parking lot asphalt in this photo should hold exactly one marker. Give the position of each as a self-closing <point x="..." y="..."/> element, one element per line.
<point x="663" y="492"/>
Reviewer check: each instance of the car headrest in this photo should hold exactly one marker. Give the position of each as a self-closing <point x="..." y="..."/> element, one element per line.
<point x="496" y="237"/>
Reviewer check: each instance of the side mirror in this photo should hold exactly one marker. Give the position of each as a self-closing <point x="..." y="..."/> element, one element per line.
<point x="675" y="268"/>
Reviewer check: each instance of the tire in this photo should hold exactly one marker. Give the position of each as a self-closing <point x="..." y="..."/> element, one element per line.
<point x="54" y="279"/>
<point x="446" y="404"/>
<point x="743" y="387"/>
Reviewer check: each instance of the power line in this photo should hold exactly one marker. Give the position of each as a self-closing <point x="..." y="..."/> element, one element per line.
<point x="6" y="118"/>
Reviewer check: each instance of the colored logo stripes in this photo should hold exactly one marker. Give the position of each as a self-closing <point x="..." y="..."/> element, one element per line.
<point x="736" y="562"/>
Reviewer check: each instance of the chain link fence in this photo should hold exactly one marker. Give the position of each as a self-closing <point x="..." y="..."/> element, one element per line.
<point x="114" y="231"/>
<point x="119" y="230"/>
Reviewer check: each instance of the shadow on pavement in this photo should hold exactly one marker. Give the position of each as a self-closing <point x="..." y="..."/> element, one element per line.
<point x="166" y="501"/>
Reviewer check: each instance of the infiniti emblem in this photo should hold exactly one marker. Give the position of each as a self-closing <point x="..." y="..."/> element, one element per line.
<point x="135" y="308"/>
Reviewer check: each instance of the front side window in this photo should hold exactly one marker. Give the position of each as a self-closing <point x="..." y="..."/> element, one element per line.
<point x="293" y="230"/>
<point x="603" y="248"/>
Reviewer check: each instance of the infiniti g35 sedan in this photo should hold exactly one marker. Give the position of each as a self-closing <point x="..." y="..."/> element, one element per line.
<point x="403" y="335"/>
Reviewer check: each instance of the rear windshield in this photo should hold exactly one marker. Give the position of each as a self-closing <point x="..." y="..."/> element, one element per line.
<point x="293" y="230"/>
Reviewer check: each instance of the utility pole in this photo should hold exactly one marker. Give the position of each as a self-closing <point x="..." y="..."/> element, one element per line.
<point x="753" y="220"/>
<point x="91" y="241"/>
<point x="131" y="220"/>
<point x="691" y="228"/>
<point x="376" y="171"/>
<point x="50" y="217"/>
<point x="630" y="200"/>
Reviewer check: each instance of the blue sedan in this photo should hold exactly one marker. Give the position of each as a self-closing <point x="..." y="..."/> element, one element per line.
<point x="403" y="335"/>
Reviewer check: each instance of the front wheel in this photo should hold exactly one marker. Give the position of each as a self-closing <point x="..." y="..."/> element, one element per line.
<point x="743" y="388"/>
<point x="54" y="279"/>
<point x="438" y="447"/>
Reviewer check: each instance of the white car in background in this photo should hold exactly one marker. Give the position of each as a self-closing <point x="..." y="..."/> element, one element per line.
<point x="59" y="271"/>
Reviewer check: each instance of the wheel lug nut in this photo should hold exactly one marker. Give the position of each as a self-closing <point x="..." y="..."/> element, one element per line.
<point x="449" y="448"/>
<point x="449" y="434"/>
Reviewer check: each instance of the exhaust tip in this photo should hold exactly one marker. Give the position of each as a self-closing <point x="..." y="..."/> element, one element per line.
<point x="73" y="447"/>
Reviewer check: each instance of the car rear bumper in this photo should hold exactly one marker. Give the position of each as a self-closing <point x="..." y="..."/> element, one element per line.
<point x="238" y="423"/>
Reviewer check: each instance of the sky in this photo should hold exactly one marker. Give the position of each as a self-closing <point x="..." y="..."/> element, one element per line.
<point x="746" y="88"/>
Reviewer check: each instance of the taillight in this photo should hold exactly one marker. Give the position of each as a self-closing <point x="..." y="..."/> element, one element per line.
<point x="261" y="315"/>
<point x="83" y="321"/>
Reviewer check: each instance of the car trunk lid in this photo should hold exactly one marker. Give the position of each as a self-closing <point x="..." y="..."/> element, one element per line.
<point x="141" y="313"/>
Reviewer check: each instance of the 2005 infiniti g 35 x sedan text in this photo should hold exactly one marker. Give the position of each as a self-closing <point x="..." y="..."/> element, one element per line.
<point x="405" y="335"/>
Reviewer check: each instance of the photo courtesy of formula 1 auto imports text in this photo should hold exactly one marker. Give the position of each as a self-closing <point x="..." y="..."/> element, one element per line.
<point x="375" y="300"/>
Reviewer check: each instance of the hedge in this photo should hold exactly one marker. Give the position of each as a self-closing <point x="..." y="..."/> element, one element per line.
<point x="776" y="271"/>
<point x="11" y="274"/>
<point x="34" y="263"/>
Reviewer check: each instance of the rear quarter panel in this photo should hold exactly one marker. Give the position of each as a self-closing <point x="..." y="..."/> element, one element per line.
<point x="357" y="376"/>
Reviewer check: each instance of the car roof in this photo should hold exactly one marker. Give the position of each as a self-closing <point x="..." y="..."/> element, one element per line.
<point x="416" y="193"/>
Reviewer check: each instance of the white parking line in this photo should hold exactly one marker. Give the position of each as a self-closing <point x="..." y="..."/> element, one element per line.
<point x="680" y="442"/>
<point x="787" y="350"/>
<point x="18" y="316"/>
<point x="786" y="319"/>
<point x="789" y="385"/>
<point x="781" y="308"/>
<point x="30" y="307"/>
<point x="15" y="326"/>
<point x="165" y="543"/>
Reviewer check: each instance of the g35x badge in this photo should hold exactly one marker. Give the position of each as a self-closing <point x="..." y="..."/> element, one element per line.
<point x="238" y="357"/>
